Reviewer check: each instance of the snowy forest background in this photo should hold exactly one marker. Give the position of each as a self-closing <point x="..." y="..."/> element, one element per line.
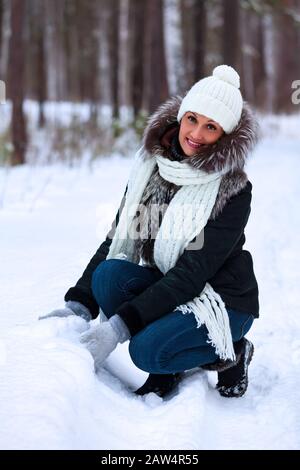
<point x="131" y="55"/>
<point x="81" y="78"/>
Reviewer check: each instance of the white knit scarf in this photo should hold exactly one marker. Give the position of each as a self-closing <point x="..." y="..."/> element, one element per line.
<point x="184" y="219"/>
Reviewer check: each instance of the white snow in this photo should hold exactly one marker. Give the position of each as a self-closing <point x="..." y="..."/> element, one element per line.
<point x="52" y="220"/>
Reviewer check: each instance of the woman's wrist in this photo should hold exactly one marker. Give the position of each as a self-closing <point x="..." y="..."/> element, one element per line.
<point x="79" y="309"/>
<point x="120" y="328"/>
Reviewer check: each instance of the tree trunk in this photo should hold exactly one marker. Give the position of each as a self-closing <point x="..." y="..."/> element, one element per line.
<point x="41" y="64"/>
<point x="59" y="46"/>
<point x="187" y="41"/>
<point x="93" y="81"/>
<point x="1" y="24"/>
<point x="199" y="15"/>
<point x="113" y="52"/>
<point x="230" y="38"/>
<point x="41" y="78"/>
<point x="136" y="56"/>
<point x="4" y="39"/>
<point x="157" y="89"/>
<point x="16" y="81"/>
<point x="73" y="18"/>
<point x="254" y="57"/>
<point x="259" y="66"/>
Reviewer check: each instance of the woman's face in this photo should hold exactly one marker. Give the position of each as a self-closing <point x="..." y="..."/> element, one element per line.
<point x="196" y="130"/>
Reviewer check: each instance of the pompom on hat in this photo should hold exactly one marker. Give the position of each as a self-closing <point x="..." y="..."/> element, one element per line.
<point x="217" y="97"/>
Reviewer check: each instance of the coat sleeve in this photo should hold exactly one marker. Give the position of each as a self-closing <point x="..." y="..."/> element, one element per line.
<point x="193" y="269"/>
<point x="82" y="291"/>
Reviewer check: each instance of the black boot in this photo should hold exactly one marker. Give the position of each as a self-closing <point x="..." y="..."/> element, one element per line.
<point x="161" y="384"/>
<point x="233" y="382"/>
<point x="220" y="365"/>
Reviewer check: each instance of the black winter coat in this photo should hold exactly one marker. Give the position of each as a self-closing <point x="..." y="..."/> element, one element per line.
<point x="221" y="261"/>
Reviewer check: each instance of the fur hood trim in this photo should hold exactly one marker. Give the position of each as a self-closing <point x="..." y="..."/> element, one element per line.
<point x="229" y="152"/>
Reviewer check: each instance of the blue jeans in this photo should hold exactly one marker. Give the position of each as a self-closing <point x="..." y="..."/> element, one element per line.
<point x="170" y="344"/>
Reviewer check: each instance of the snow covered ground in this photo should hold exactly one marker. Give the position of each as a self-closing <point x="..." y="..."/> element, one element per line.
<point x="52" y="219"/>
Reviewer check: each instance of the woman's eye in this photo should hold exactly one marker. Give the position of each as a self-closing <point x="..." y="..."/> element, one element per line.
<point x="212" y="127"/>
<point x="192" y="118"/>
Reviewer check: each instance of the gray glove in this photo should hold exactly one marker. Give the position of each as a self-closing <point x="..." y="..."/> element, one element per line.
<point x="72" y="308"/>
<point x="103" y="339"/>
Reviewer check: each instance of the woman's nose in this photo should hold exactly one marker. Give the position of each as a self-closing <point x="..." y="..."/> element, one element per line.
<point x="197" y="135"/>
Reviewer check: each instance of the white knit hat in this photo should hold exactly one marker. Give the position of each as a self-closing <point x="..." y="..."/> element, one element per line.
<point x="218" y="97"/>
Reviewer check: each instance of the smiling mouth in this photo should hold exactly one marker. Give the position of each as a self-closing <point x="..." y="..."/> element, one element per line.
<point x="192" y="144"/>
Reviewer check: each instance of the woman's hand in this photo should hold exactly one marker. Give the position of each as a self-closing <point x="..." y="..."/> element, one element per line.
<point x="71" y="308"/>
<point x="60" y="312"/>
<point x="100" y="341"/>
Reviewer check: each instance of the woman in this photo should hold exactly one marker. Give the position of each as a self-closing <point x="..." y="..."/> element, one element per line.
<point x="172" y="275"/>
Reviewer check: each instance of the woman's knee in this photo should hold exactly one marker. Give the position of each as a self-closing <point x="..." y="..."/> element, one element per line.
<point x="134" y="349"/>
<point x="143" y="356"/>
<point x="103" y="271"/>
<point x="240" y="323"/>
